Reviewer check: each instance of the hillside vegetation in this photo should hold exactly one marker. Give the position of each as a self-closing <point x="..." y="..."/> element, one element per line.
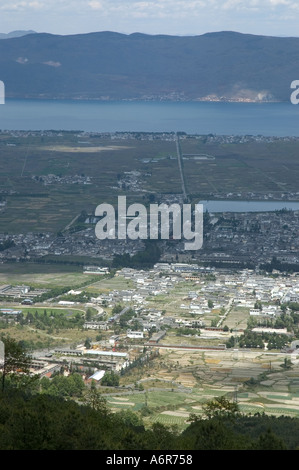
<point x="45" y="422"/>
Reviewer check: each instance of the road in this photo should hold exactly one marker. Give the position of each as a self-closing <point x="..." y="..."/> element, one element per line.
<point x="180" y="162"/>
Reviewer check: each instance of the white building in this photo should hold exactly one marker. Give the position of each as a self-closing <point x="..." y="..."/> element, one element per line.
<point x="135" y="334"/>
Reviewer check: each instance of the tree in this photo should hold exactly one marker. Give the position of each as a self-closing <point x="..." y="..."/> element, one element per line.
<point x="75" y="385"/>
<point x="110" y="379"/>
<point x="94" y="399"/>
<point x="220" y="407"/>
<point x="15" y="359"/>
<point x="287" y="364"/>
<point x="88" y="315"/>
<point x="269" y="441"/>
<point x="129" y="418"/>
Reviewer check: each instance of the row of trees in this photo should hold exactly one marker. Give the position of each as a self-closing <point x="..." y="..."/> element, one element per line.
<point x="184" y="331"/>
<point x="53" y="319"/>
<point x="251" y="339"/>
<point x="143" y="260"/>
<point x="278" y="265"/>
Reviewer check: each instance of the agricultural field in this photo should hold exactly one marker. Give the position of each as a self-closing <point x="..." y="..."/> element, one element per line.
<point x="260" y="167"/>
<point x="237" y="318"/>
<point x="35" y="204"/>
<point x="179" y="382"/>
<point x="41" y="339"/>
<point x="41" y="275"/>
<point x="103" y="286"/>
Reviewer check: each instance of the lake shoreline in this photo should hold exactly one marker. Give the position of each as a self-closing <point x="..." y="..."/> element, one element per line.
<point x="272" y="119"/>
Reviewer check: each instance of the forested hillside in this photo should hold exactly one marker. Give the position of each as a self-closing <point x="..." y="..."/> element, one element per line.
<point x="45" y="422"/>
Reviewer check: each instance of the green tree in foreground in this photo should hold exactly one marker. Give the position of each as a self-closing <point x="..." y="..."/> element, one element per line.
<point x="16" y="361"/>
<point x="94" y="399"/>
<point x="34" y="421"/>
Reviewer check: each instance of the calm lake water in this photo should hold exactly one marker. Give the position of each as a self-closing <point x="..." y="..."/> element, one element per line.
<point x="248" y="206"/>
<point x="269" y="119"/>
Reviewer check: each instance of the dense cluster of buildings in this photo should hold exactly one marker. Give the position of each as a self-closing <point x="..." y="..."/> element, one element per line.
<point x="253" y="238"/>
<point x="237" y="238"/>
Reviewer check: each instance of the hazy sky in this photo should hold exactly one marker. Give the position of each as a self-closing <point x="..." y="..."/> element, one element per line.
<point x="177" y="17"/>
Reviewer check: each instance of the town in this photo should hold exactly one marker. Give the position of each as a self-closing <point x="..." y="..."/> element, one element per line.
<point x="230" y="239"/>
<point x="204" y="307"/>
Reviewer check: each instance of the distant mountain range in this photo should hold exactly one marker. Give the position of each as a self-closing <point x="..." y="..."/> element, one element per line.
<point x="15" y="34"/>
<point x="107" y="65"/>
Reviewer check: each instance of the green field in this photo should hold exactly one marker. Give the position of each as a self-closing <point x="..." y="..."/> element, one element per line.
<point x="42" y="275"/>
<point x="106" y="285"/>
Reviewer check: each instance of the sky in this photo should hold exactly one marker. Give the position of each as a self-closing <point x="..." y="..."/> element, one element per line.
<point x="171" y="17"/>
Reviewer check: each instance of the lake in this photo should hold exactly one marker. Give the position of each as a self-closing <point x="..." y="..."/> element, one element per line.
<point x="248" y="206"/>
<point x="269" y="119"/>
